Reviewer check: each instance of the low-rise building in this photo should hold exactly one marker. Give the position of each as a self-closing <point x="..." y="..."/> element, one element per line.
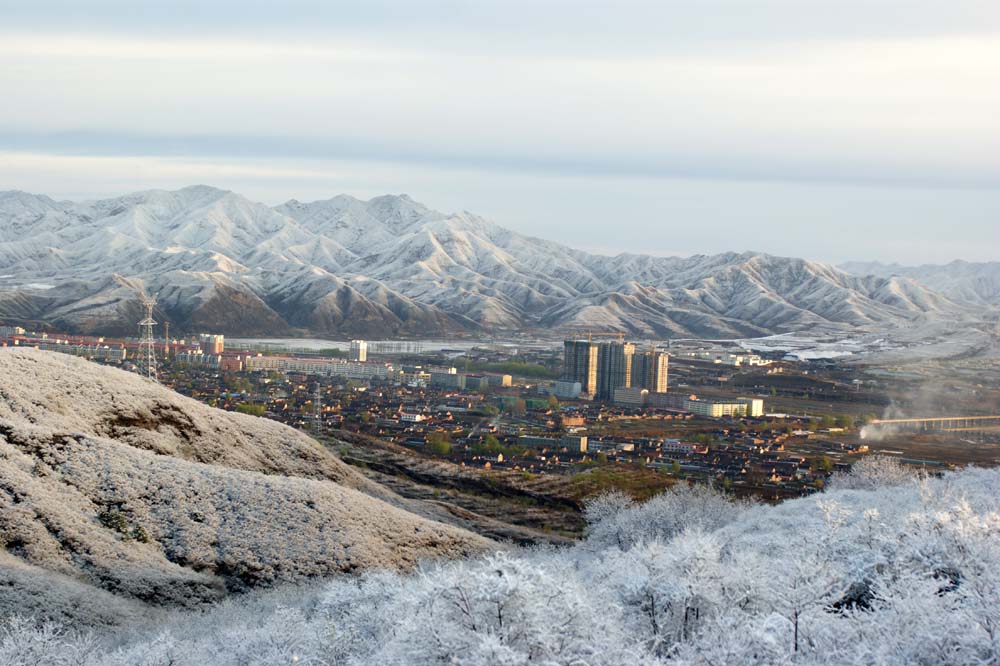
<point x="477" y="382"/>
<point x="719" y="408"/>
<point x="500" y="380"/>
<point x="574" y="443"/>
<point x="535" y="442"/>
<point x="630" y="397"/>
<point x="446" y="379"/>
<point x="567" y="390"/>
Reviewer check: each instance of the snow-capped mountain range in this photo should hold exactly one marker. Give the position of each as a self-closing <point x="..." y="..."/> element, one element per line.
<point x="964" y="281"/>
<point x="217" y="260"/>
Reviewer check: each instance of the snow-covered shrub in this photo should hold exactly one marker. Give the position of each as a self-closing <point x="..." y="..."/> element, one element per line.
<point x="901" y="574"/>
<point x="871" y="473"/>
<point x="615" y="520"/>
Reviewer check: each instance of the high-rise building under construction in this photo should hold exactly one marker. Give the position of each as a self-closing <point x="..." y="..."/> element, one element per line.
<point x="650" y="371"/>
<point x="614" y="368"/>
<point x="580" y="364"/>
<point x="602" y="367"/>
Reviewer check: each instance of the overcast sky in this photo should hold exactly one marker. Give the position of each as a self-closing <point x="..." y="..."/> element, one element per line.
<point x="834" y="130"/>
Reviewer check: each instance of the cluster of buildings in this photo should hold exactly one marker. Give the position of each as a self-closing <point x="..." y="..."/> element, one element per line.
<point x="93" y="348"/>
<point x="599" y="368"/>
<point x="617" y="372"/>
<point x="723" y="357"/>
<point x="207" y="349"/>
<point x="324" y="367"/>
<point x="9" y="331"/>
<point x="450" y="378"/>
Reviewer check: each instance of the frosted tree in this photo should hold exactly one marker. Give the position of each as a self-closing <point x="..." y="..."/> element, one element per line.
<point x="668" y="589"/>
<point x="872" y="473"/>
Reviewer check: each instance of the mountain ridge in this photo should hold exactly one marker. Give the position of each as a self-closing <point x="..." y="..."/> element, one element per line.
<point x="391" y="265"/>
<point x="973" y="282"/>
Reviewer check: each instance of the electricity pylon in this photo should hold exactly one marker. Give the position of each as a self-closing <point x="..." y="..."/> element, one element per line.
<point x="147" y="343"/>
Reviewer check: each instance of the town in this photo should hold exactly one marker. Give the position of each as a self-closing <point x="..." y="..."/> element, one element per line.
<point x="531" y="409"/>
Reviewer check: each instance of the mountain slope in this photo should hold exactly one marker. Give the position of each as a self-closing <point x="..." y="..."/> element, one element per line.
<point x="114" y="482"/>
<point x="977" y="283"/>
<point x="391" y="265"/>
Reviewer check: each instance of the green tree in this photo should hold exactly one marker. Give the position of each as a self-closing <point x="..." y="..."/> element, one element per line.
<point x="439" y="448"/>
<point x="246" y="408"/>
<point x="490" y="444"/>
<point x="438" y="443"/>
<point x="675" y="467"/>
<point x="553" y="402"/>
<point x="845" y="421"/>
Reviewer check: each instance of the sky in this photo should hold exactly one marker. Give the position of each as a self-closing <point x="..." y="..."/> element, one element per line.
<point x="833" y="130"/>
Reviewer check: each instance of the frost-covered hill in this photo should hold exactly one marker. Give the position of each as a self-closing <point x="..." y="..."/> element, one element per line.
<point x="883" y="568"/>
<point x="114" y="488"/>
<point x="970" y="282"/>
<point x="216" y="260"/>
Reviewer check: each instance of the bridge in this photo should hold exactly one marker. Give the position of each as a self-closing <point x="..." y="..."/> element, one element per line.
<point x="941" y="424"/>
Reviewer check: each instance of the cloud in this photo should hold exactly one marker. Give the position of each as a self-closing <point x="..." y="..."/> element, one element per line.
<point x="802" y="93"/>
<point x="914" y="111"/>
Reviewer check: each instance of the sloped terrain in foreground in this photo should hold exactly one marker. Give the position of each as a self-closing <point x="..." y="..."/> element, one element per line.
<point x="112" y="482"/>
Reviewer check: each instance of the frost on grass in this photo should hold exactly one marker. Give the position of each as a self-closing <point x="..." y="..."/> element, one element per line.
<point x="68" y="395"/>
<point x="100" y="488"/>
<point x="902" y="574"/>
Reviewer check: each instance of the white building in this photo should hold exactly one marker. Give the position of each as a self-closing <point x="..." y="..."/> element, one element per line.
<point x="325" y="367"/>
<point x="7" y="331"/>
<point x="631" y="397"/>
<point x="719" y="408"/>
<point x="567" y="390"/>
<point x="198" y="358"/>
<point x="677" y="446"/>
<point x="211" y="343"/>
<point x="359" y="351"/>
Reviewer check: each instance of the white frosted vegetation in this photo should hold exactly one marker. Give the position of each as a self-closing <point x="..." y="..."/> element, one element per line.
<point x="906" y="573"/>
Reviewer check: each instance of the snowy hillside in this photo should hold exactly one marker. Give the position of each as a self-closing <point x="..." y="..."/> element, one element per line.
<point x="112" y="486"/>
<point x="216" y="260"/>
<point x="959" y="280"/>
<point x="883" y="568"/>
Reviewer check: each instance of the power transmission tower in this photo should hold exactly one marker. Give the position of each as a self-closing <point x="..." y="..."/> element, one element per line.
<point x="147" y="343"/>
<point x="317" y="408"/>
